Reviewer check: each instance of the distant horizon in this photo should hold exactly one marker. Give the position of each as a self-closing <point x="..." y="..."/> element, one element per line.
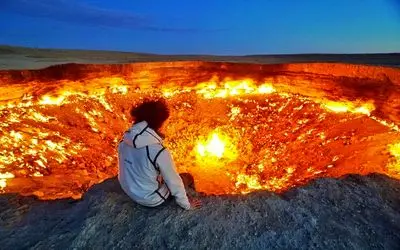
<point x="152" y="53"/>
<point x="207" y="27"/>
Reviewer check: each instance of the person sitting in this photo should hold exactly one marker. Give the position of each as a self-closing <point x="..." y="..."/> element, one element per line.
<point x="147" y="172"/>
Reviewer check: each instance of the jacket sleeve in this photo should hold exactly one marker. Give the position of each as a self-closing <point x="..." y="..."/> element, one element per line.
<point x="172" y="179"/>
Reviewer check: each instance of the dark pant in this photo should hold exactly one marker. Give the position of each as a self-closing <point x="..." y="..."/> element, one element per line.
<point x="188" y="182"/>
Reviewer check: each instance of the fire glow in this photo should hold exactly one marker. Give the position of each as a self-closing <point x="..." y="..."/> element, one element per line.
<point x="233" y="135"/>
<point x="214" y="147"/>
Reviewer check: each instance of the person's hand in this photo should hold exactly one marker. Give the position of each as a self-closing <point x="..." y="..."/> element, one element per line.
<point x="195" y="203"/>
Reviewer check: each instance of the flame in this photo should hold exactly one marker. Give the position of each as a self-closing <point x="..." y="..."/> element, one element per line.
<point x="390" y="125"/>
<point x="226" y="88"/>
<point x="3" y="184"/>
<point x="232" y="88"/>
<point x="6" y="175"/>
<point x="213" y="147"/>
<point x="119" y="89"/>
<point x="394" y="166"/>
<point x="246" y="183"/>
<point x="3" y="180"/>
<point x="346" y="106"/>
<point x="266" y="88"/>
<point x="53" y="100"/>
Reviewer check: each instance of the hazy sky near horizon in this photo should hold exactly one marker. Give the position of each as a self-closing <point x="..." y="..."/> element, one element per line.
<point x="234" y="27"/>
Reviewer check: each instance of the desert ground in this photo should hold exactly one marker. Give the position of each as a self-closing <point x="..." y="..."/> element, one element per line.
<point x="30" y="58"/>
<point x="346" y="212"/>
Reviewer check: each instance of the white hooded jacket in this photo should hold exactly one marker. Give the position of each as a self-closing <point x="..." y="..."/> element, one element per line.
<point x="142" y="159"/>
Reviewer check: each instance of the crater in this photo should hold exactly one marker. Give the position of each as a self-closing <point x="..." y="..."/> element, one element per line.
<point x="237" y="128"/>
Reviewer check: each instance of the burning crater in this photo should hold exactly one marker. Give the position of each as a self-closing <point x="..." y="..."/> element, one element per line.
<point x="236" y="127"/>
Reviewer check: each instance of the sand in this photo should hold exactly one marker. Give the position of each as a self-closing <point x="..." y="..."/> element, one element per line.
<point x="29" y="58"/>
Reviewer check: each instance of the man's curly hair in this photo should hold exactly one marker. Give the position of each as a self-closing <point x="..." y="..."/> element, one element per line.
<point x="154" y="112"/>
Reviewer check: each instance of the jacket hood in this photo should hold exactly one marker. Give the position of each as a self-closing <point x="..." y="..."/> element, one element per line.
<point x="140" y="135"/>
